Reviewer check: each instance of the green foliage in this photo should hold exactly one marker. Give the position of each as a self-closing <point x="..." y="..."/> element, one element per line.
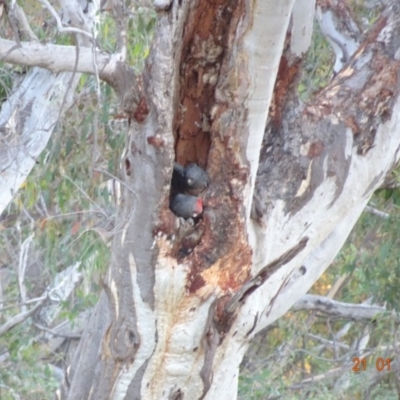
<point x="23" y="375"/>
<point x="289" y="353"/>
<point x="64" y="199"/>
<point x="371" y="259"/>
<point x="5" y="82"/>
<point x="365" y="14"/>
<point x="140" y="27"/>
<point x="289" y="360"/>
<point x="318" y="68"/>
<point x="288" y="369"/>
<point x="67" y="202"/>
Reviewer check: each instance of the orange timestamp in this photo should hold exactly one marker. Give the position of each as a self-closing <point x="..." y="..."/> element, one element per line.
<point x="360" y="364"/>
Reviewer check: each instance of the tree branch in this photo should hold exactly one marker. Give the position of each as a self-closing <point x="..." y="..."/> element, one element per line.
<point x="21" y="317"/>
<point x="120" y="21"/>
<point x="55" y="58"/>
<point x="340" y="29"/>
<point x="23" y="23"/>
<point x="23" y="258"/>
<point x="60" y="26"/>
<point x="378" y="213"/>
<point x="337" y="308"/>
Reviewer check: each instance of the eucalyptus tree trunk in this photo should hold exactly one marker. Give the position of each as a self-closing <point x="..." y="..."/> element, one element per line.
<point x="174" y="323"/>
<point x="288" y="182"/>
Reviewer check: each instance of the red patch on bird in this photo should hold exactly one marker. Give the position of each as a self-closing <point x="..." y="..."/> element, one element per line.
<point x="199" y="206"/>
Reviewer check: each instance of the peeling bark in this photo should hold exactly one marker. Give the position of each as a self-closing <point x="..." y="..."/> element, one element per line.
<point x="339" y="27"/>
<point x="29" y="115"/>
<point x="320" y="149"/>
<point x="178" y="322"/>
<point x="197" y="311"/>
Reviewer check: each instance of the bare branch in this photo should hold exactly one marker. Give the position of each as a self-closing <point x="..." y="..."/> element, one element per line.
<point x="74" y="336"/>
<point x="23" y="23"/>
<point x="376" y="212"/>
<point x="86" y="195"/>
<point x="59" y="290"/>
<point x="340" y="29"/>
<point x="121" y="182"/>
<point x="119" y="18"/>
<point x="23" y="258"/>
<point x="76" y="16"/>
<point x="20" y="317"/>
<point x="30" y="301"/>
<point x="329" y="343"/>
<point x="56" y="58"/>
<point x="60" y="26"/>
<point x="337" y="308"/>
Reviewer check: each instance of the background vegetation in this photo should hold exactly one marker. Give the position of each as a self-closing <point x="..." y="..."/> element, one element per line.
<point x="309" y="355"/>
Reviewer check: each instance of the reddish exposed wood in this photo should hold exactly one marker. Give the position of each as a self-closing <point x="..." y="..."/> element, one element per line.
<point x="141" y="111"/>
<point x="203" y="45"/>
<point x="206" y="135"/>
<point x="287" y="75"/>
<point x="315" y="149"/>
<point x="359" y="98"/>
<point x="362" y="107"/>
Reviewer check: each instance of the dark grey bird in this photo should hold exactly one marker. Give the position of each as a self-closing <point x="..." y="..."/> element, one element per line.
<point x="191" y="180"/>
<point x="186" y="206"/>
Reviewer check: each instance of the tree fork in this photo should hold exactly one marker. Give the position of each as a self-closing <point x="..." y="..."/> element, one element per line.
<point x="170" y="326"/>
<point x="159" y="315"/>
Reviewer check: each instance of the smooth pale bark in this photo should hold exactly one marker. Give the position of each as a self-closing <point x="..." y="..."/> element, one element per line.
<point x="336" y="308"/>
<point x="55" y="58"/>
<point x="29" y="115"/>
<point x="157" y="319"/>
<point x="350" y="140"/>
<point x="341" y="31"/>
<point x="187" y="333"/>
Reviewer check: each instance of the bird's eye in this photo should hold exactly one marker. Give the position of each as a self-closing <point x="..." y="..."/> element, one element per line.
<point x="189" y="181"/>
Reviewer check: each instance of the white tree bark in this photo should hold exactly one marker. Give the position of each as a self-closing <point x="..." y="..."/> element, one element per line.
<point x="337" y="308"/>
<point x="55" y="58"/>
<point x="30" y="114"/>
<point x="338" y="26"/>
<point x="28" y="118"/>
